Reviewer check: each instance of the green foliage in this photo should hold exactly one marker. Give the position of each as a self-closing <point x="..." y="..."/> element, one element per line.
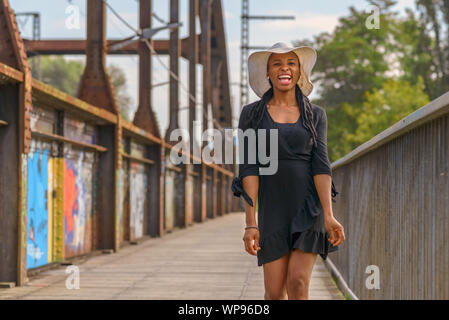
<point x="61" y="74"/>
<point x="65" y="75"/>
<point x="354" y="124"/>
<point x="118" y="79"/>
<point x="383" y="108"/>
<point x="368" y="79"/>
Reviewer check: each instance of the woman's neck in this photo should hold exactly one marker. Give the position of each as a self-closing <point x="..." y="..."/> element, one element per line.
<point x="283" y="98"/>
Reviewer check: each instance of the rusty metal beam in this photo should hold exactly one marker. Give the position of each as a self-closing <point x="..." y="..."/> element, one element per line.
<point x="221" y="98"/>
<point x="145" y="117"/>
<point x="12" y="53"/>
<point x="96" y="86"/>
<point x="205" y="19"/>
<point x="60" y="100"/>
<point x="9" y="74"/>
<point x="65" y="46"/>
<point x="193" y="60"/>
<point x="174" y="53"/>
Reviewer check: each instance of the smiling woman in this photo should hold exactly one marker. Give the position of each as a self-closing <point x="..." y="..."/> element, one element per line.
<point x="295" y="220"/>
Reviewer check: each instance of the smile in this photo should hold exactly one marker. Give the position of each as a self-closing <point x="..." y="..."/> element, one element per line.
<point x="285" y="79"/>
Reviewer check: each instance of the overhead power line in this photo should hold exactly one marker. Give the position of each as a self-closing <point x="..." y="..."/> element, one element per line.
<point x="153" y="51"/>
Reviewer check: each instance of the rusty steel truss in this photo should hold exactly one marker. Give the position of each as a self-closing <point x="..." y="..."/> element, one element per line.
<point x="202" y="190"/>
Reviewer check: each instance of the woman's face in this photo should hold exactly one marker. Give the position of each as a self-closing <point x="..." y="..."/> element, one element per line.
<point x="283" y="70"/>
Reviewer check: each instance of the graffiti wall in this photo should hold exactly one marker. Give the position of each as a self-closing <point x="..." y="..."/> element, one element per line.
<point x="78" y="201"/>
<point x="79" y="130"/>
<point x="39" y="204"/>
<point x="138" y="196"/>
<point x="123" y="194"/>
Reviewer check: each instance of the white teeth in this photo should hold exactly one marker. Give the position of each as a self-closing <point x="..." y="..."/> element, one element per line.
<point x="284" y="77"/>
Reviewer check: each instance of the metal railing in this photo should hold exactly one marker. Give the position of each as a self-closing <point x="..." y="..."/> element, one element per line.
<point x="394" y="206"/>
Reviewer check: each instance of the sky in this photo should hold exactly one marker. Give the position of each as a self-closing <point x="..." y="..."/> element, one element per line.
<point x="311" y="18"/>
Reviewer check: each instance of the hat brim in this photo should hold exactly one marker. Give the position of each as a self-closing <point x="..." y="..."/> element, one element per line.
<point x="257" y="68"/>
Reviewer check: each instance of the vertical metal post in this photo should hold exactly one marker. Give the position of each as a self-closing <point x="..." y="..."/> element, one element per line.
<point x="205" y="18"/>
<point x="144" y="116"/>
<point x="96" y="88"/>
<point x="174" y="53"/>
<point x="193" y="60"/>
<point x="244" y="40"/>
<point x="13" y="54"/>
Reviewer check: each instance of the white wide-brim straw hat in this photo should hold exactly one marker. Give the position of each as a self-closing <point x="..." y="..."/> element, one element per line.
<point x="257" y="67"/>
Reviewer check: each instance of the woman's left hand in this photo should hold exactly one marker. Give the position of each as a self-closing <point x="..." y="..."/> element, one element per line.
<point x="335" y="231"/>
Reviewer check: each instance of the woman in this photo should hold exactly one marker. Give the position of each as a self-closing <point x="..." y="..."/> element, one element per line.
<point x="295" y="219"/>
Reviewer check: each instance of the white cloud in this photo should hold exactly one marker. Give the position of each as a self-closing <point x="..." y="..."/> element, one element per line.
<point x="229" y="15"/>
<point x="305" y="21"/>
<point x="234" y="44"/>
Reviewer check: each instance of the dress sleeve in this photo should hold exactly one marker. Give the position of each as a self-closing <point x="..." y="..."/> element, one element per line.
<point x="246" y="168"/>
<point x="320" y="159"/>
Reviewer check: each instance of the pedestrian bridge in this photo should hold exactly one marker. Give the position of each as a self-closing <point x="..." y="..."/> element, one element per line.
<point x="206" y="261"/>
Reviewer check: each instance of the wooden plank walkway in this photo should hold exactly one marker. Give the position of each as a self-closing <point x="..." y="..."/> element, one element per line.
<point x="204" y="261"/>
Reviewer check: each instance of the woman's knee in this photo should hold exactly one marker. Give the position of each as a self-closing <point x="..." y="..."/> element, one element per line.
<point x="298" y="281"/>
<point x="276" y="295"/>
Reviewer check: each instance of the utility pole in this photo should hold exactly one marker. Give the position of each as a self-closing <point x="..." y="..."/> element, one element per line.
<point x="245" y="47"/>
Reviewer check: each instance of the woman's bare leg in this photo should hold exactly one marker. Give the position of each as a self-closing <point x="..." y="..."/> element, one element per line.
<point x="275" y="276"/>
<point x="300" y="267"/>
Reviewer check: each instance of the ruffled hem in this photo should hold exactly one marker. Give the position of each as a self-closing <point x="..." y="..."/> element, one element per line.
<point x="299" y="233"/>
<point x="303" y="230"/>
<point x="273" y="246"/>
<point x="314" y="241"/>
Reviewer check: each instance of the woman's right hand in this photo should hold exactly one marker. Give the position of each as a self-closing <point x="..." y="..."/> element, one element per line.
<point x="251" y="240"/>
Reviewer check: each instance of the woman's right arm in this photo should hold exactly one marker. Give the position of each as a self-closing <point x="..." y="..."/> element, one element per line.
<point x="251" y="186"/>
<point x="249" y="173"/>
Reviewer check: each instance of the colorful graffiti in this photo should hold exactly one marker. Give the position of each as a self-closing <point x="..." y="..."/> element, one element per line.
<point x="79" y="130"/>
<point x="123" y="194"/>
<point x="138" y="196"/>
<point x="78" y="169"/>
<point x="38" y="226"/>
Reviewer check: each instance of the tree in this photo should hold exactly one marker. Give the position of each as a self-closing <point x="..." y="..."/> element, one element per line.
<point x="118" y="79"/>
<point x="65" y="76"/>
<point x="352" y="59"/>
<point x="383" y="108"/>
<point x="434" y="22"/>
<point x="359" y="71"/>
<point x="60" y="73"/>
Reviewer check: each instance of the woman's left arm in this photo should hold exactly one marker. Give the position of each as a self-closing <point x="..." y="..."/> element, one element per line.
<point x="322" y="177"/>
<point x="321" y="167"/>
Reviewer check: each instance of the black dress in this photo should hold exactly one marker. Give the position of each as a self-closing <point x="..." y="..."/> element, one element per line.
<point x="290" y="214"/>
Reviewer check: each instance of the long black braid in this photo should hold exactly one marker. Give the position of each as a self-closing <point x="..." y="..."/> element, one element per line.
<point x="305" y="108"/>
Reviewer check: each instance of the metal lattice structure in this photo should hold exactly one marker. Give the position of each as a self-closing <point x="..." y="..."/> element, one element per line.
<point x="76" y="176"/>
